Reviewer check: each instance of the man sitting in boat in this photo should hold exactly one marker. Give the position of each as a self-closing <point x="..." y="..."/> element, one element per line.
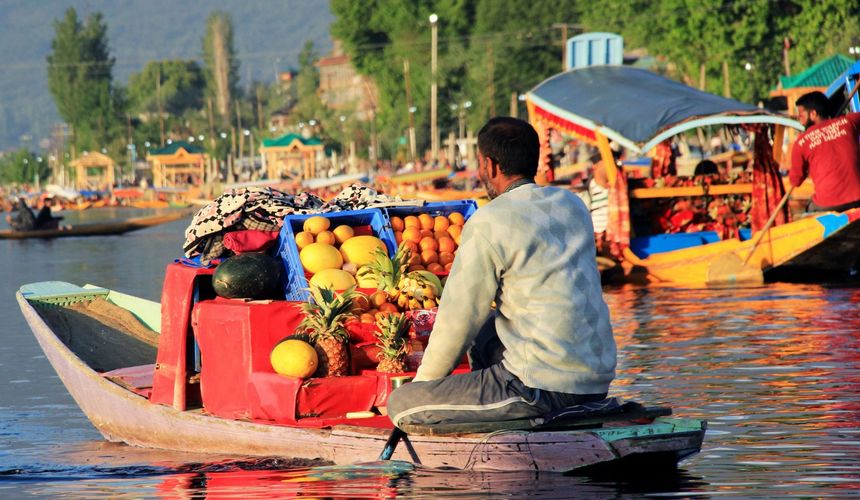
<point x="24" y="220"/>
<point x="548" y="344"/>
<point x="828" y="152"/>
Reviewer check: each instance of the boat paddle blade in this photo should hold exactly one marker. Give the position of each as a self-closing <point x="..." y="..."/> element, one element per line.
<point x="391" y="444"/>
<point x="729" y="269"/>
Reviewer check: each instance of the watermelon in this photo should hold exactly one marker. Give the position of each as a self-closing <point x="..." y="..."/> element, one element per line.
<point x="248" y="276"/>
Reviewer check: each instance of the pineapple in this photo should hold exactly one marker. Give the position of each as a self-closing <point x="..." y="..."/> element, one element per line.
<point x="387" y="271"/>
<point x="325" y="315"/>
<point x="391" y="340"/>
<point x="413" y="290"/>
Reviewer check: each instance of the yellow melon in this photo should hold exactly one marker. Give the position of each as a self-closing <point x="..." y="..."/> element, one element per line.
<point x="365" y="280"/>
<point x="294" y="358"/>
<point x="318" y="256"/>
<point x="316" y="224"/>
<point x="335" y="279"/>
<point x="360" y="249"/>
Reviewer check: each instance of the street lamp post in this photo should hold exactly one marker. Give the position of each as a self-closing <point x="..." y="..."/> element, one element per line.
<point x="434" y="133"/>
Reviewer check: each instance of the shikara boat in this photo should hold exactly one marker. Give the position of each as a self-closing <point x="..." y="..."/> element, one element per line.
<point x="103" y="345"/>
<point x="639" y="110"/>
<point x="96" y="229"/>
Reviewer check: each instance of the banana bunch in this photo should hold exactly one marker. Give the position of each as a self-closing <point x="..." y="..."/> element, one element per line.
<point x="418" y="290"/>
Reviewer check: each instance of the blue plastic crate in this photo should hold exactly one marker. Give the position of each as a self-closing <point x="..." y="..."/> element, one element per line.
<point x="294" y="281"/>
<point x="465" y="207"/>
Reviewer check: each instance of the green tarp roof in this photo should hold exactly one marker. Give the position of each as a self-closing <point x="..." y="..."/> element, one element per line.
<point x="820" y="74"/>
<point x="286" y="140"/>
<point x="173" y="147"/>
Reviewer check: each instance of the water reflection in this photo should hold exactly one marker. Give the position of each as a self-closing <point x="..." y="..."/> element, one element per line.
<point x="278" y="478"/>
<point x="774" y="370"/>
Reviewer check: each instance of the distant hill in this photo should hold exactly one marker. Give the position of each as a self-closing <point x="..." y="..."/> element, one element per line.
<point x="268" y="35"/>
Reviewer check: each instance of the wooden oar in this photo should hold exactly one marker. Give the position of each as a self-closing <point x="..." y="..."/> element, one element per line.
<point x="391" y="443"/>
<point x="730" y="269"/>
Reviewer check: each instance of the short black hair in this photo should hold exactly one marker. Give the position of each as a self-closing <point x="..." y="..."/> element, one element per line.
<point x="511" y="143"/>
<point x="815" y="101"/>
<point x="706" y="167"/>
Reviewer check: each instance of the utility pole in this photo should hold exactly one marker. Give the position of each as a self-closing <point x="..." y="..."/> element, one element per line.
<point x="241" y="131"/>
<point x="158" y="102"/>
<point x="727" y="85"/>
<point x="409" y="110"/>
<point x="564" y="27"/>
<point x="434" y="132"/>
<point x="212" y="159"/>
<point x="786" y="46"/>
<point x="259" y="109"/>
<point x="492" y="86"/>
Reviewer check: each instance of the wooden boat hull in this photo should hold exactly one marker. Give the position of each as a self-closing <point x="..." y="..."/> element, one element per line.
<point x="98" y="229"/>
<point x="818" y="246"/>
<point x="124" y="416"/>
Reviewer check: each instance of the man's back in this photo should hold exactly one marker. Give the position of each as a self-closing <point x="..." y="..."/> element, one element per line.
<point x="550" y="304"/>
<point x="829" y="153"/>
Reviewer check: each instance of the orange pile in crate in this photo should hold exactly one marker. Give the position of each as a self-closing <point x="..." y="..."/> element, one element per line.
<point x="333" y="255"/>
<point x="433" y="241"/>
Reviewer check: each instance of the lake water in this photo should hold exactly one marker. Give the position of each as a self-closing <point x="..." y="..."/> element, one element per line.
<point x="774" y="370"/>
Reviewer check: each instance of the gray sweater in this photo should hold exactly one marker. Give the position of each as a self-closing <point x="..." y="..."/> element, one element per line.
<point x="532" y="251"/>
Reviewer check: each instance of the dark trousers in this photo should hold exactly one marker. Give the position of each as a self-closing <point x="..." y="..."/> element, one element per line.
<point x="486" y="394"/>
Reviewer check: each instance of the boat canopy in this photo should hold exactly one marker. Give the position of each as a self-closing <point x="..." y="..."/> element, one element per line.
<point x="635" y="107"/>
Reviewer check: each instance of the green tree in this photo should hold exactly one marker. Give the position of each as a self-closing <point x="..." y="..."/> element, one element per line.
<point x="309" y="105"/>
<point x="23" y="167"/>
<point x="222" y="67"/>
<point x="80" y="79"/>
<point x="175" y="87"/>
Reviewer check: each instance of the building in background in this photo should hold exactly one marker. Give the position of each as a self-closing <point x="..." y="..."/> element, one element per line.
<point x="342" y="89"/>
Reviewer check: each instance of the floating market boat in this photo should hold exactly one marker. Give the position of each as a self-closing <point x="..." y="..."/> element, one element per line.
<point x="127" y="363"/>
<point x="95" y="229"/>
<point x="640" y="111"/>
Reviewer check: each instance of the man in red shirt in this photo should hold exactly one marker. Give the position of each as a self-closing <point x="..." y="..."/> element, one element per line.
<point x="829" y="152"/>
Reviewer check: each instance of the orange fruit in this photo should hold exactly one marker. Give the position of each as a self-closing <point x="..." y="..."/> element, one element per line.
<point x="440" y="223"/>
<point x="426" y="221"/>
<point x="398" y="237"/>
<point x="388" y="307"/>
<point x="304" y="238"/>
<point x="411" y="221"/>
<point x="326" y="237"/>
<point x="435" y="267"/>
<point x="378" y="298"/>
<point x="343" y="233"/>
<point x="440" y="234"/>
<point x="429" y="257"/>
<point x="414" y="259"/>
<point x="367" y="318"/>
<point x="412" y="234"/>
<point x="448" y="266"/>
<point x="426" y="233"/>
<point x="360" y="303"/>
<point x="457" y="218"/>
<point x="454" y="231"/>
<point x="446" y="244"/>
<point x="417" y="267"/>
<point x="316" y="224"/>
<point x="397" y="223"/>
<point x="428" y="243"/>
<point x="412" y="246"/>
<point x="446" y="258"/>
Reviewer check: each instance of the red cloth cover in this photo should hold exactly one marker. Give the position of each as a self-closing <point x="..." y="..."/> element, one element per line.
<point x="768" y="189"/>
<point x="249" y="240"/>
<point x="169" y="384"/>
